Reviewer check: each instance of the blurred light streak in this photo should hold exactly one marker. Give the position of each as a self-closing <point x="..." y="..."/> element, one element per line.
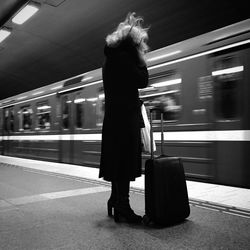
<point x="228" y="71"/>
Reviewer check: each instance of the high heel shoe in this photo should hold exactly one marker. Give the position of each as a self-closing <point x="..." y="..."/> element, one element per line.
<point x="122" y="210"/>
<point x="126" y="215"/>
<point x="110" y="206"/>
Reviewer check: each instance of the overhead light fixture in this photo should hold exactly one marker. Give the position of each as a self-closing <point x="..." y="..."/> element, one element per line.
<point x="4" y="33"/>
<point x="25" y="13"/>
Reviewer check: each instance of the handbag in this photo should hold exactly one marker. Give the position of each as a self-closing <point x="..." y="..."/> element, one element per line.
<point x="145" y="132"/>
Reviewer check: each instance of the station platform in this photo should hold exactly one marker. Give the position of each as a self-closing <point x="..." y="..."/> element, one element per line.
<point x="45" y="205"/>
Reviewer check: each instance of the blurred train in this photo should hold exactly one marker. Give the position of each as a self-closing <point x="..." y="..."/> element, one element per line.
<point x="202" y="84"/>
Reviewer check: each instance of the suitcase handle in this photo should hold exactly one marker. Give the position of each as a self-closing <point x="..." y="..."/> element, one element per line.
<point x="151" y="131"/>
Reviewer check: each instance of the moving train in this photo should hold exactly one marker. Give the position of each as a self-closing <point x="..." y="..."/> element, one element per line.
<point x="202" y="84"/>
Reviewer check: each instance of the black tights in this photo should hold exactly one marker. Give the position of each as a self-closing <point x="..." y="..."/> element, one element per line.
<point x="120" y="189"/>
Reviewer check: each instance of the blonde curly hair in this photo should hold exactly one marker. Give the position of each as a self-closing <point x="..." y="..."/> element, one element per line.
<point x="131" y="26"/>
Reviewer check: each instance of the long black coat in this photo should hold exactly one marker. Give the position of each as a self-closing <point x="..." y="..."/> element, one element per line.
<point x="123" y="74"/>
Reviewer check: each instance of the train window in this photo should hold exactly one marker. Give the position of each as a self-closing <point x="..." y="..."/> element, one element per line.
<point x="227" y="73"/>
<point x="65" y="112"/>
<point x="79" y="110"/>
<point x="93" y="107"/>
<point x="100" y="107"/>
<point x="1" y="121"/>
<point x="43" y="119"/>
<point x="5" y="120"/>
<point x="163" y="93"/>
<point x="11" y="120"/>
<point x="90" y="112"/>
<point x="25" y="118"/>
<point x="8" y="120"/>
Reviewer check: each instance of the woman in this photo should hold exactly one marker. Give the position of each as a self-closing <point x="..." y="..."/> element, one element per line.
<point x="124" y="72"/>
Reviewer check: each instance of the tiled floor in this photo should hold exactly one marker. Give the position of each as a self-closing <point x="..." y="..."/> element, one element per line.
<point x="224" y="195"/>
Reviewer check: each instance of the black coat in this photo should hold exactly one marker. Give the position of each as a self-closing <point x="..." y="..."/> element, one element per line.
<point x="123" y="73"/>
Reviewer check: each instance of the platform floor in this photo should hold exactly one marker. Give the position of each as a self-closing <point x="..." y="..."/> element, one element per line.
<point x="204" y="192"/>
<point x="59" y="206"/>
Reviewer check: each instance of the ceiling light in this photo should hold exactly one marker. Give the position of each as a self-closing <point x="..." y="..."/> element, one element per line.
<point x="24" y="14"/>
<point x="4" y="33"/>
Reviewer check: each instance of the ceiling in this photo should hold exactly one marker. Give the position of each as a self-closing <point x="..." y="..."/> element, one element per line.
<point x="66" y="37"/>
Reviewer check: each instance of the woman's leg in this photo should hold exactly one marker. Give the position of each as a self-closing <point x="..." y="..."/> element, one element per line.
<point x="122" y="209"/>
<point x="112" y="199"/>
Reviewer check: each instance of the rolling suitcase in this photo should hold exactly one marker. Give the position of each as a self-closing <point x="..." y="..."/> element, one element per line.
<point x="166" y="196"/>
